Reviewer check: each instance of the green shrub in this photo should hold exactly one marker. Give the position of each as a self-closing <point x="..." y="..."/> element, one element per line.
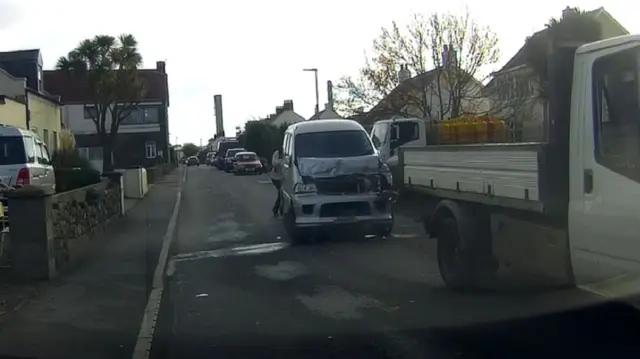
<point x="72" y="170"/>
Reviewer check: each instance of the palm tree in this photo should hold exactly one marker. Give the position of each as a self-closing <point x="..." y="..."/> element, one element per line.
<point x="108" y="66"/>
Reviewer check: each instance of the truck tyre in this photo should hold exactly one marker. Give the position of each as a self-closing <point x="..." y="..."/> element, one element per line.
<point x="464" y="266"/>
<point x="296" y="235"/>
<point x="455" y="270"/>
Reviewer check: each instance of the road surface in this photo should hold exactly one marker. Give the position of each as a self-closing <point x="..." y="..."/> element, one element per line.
<point x="236" y="289"/>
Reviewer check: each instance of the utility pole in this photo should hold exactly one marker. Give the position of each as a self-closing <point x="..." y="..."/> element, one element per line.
<point x="315" y="71"/>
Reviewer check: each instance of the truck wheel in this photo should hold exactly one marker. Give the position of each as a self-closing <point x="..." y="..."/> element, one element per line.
<point x="296" y="235"/>
<point x="455" y="269"/>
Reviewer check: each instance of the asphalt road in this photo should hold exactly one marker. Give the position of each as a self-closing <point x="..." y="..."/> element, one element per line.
<point x="237" y="290"/>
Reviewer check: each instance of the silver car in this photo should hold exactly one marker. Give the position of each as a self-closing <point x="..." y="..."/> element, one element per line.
<point x="333" y="178"/>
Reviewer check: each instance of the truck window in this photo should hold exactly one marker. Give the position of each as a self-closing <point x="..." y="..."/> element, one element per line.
<point x="333" y="144"/>
<point x="379" y="133"/>
<point x="617" y="112"/>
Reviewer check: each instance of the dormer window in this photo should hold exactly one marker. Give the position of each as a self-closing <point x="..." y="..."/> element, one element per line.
<point x="40" y="87"/>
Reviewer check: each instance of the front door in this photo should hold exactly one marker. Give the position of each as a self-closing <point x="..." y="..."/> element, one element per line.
<point x="604" y="211"/>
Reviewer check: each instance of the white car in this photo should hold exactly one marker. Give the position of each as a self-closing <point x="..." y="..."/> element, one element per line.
<point x="24" y="159"/>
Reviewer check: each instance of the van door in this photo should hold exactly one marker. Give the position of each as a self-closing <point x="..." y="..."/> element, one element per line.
<point x="604" y="209"/>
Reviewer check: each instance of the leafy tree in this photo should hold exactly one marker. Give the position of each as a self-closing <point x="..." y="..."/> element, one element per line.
<point x="419" y="46"/>
<point x="576" y="27"/>
<point x="109" y="66"/>
<point x="190" y="149"/>
<point x="263" y="138"/>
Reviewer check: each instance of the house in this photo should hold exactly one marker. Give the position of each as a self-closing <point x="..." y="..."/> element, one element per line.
<point x="13" y="109"/>
<point x="143" y="137"/>
<point x="514" y="88"/>
<point x="419" y="96"/>
<point x="21" y="83"/>
<point x="284" y="115"/>
<point x="329" y="111"/>
<point x="13" y="112"/>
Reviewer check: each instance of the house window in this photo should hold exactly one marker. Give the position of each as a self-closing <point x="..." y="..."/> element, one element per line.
<point x="90" y="113"/>
<point x="55" y="140"/>
<point x="150" y="149"/>
<point x="91" y="153"/>
<point x="40" y="87"/>
<point x="142" y="115"/>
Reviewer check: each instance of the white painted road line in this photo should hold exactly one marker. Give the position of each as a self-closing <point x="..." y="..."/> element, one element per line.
<point x="142" y="348"/>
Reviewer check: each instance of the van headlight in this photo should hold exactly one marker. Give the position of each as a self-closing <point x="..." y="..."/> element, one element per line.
<point x="301" y="188"/>
<point x="386" y="172"/>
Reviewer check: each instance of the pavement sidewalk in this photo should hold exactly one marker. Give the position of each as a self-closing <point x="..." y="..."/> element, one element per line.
<point x="95" y="311"/>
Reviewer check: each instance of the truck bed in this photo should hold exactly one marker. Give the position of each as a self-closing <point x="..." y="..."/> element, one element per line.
<point x="503" y="174"/>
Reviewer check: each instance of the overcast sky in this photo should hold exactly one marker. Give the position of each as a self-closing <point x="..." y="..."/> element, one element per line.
<point x="253" y="52"/>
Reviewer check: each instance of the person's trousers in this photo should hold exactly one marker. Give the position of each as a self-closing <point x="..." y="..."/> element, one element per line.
<point x="276" y="206"/>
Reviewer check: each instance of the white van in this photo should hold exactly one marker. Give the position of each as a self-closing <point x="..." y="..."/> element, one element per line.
<point x="24" y="159"/>
<point x="333" y="177"/>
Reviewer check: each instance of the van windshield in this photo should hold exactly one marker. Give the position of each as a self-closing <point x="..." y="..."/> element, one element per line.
<point x="333" y="144"/>
<point x="12" y="150"/>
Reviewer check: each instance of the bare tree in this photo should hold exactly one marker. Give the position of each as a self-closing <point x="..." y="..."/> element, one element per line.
<point x="452" y="87"/>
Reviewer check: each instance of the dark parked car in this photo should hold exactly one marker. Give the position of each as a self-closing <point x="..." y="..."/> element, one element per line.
<point x="193" y="161"/>
<point x="229" y="159"/>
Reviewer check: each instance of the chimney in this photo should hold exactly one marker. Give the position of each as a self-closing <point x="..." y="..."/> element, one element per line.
<point x="404" y="74"/>
<point x="279" y="110"/>
<point x="288" y="105"/>
<point x="160" y="66"/>
<point x="568" y="11"/>
<point x="330" y="95"/>
<point x="445" y="54"/>
<point x="452" y="57"/>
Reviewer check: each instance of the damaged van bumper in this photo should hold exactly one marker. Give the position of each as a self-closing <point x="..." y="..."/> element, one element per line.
<point x="365" y="210"/>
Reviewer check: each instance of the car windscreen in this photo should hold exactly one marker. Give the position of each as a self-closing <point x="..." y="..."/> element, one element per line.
<point x="333" y="144"/>
<point x="12" y="150"/>
<point x="246" y="158"/>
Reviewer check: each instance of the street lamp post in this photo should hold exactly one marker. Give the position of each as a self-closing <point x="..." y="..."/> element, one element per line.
<point x="315" y="71"/>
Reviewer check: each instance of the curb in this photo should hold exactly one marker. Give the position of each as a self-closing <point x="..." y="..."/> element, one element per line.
<point x="142" y="348"/>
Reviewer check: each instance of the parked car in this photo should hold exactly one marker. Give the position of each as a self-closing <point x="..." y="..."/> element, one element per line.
<point x="183" y="161"/>
<point x="247" y="162"/>
<point x="24" y="160"/>
<point x="229" y="158"/>
<point x="211" y="157"/>
<point x="193" y="161"/>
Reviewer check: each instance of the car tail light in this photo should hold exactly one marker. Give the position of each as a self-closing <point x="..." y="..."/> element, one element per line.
<point x="24" y="177"/>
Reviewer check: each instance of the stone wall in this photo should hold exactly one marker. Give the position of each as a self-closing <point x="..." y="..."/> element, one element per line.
<point x="79" y="214"/>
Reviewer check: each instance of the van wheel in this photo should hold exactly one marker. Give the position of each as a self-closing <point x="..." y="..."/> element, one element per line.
<point x="296" y="235"/>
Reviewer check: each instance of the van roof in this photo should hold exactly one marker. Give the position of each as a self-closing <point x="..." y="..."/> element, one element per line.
<point x="246" y="153"/>
<point x="326" y="126"/>
<point x="6" y="130"/>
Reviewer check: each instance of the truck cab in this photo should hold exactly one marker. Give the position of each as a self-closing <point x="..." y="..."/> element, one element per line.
<point x="388" y="135"/>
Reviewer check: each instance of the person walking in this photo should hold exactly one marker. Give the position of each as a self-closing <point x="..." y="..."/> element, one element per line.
<point x="277" y="175"/>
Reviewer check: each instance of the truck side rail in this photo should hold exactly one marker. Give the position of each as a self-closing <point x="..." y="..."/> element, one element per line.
<point x="501" y="174"/>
